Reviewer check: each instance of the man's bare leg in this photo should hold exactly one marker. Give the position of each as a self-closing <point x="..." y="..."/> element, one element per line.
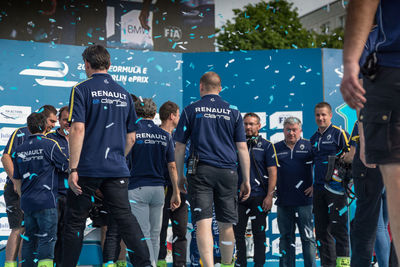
<point x="226" y="242"/>
<point x="205" y="241"/>
<point x="391" y="179"/>
<point x="13" y="244"/>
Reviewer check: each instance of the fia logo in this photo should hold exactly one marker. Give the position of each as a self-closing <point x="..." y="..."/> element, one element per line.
<point x="173" y="32"/>
<point x="60" y="70"/>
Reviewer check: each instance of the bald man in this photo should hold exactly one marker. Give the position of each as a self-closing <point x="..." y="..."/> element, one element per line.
<point x="216" y="131"/>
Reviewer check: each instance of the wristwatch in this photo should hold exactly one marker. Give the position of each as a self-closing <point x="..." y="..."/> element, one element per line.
<point x="72" y="170"/>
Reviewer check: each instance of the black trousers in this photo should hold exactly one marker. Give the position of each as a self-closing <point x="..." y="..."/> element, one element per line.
<point x="58" y="249"/>
<point x="115" y="191"/>
<point x="179" y="219"/>
<point x="330" y="213"/>
<point x="368" y="186"/>
<point x="250" y="209"/>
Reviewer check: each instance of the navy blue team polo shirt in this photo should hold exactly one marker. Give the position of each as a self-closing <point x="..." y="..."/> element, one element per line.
<point x="213" y="126"/>
<point x="63" y="143"/>
<point x="17" y="138"/>
<point x="294" y="173"/>
<point x="35" y="164"/>
<point x="262" y="156"/>
<point x="388" y="42"/>
<point x="109" y="114"/>
<point x="331" y="142"/>
<point x="153" y="149"/>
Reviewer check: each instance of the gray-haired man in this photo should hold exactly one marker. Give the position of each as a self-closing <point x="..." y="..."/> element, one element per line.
<point x="294" y="189"/>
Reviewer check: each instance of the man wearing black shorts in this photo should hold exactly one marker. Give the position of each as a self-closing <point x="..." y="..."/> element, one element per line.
<point x="216" y="132"/>
<point x="103" y="125"/>
<point x="380" y="109"/>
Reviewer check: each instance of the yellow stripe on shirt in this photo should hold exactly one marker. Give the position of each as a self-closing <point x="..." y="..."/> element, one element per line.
<point x="71" y="105"/>
<point x="12" y="140"/>
<point x="344" y="134"/>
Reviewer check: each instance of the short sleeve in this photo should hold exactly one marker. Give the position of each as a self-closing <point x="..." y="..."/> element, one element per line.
<point x="270" y="156"/>
<point x="132" y="121"/>
<point x="184" y="129"/>
<point x="344" y="140"/>
<point x="59" y="158"/>
<point x="354" y="135"/>
<point x="11" y="144"/>
<point x="77" y="108"/>
<point x="170" y="151"/>
<point x="239" y="134"/>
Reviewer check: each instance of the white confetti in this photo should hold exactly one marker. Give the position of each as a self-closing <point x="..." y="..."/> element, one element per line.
<point x="293" y="245"/>
<point x="308" y="70"/>
<point x="256" y="97"/>
<point x="26" y="175"/>
<point x="226" y="243"/>
<point x="247" y="211"/>
<point x="299" y="184"/>
<point x="46" y="186"/>
<point x="111" y="124"/>
<point x="197" y="209"/>
<point x="258" y="183"/>
<point x="252" y="217"/>
<point x="291" y="78"/>
<point x="266" y="67"/>
<point x="330" y="205"/>
<point x="173" y="240"/>
<point x="107" y="150"/>
<point x="122" y="181"/>
<point x="1" y="88"/>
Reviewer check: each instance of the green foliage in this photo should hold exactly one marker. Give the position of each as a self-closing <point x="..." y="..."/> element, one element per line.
<point x="269" y="25"/>
<point x="332" y="40"/>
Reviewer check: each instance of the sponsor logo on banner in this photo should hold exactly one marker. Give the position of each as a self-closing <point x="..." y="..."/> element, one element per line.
<point x="172" y="32"/>
<point x="57" y="70"/>
<point x="276" y="120"/>
<point x="132" y="32"/>
<point x="4" y="226"/>
<point x="277" y="137"/>
<point x="14" y="114"/>
<point x="5" y="134"/>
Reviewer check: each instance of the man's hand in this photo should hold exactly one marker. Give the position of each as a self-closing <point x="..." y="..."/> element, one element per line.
<point x="245" y="190"/>
<point x="309" y="191"/>
<point x="175" y="201"/>
<point x="144" y="18"/>
<point x="73" y="183"/>
<point x="352" y="91"/>
<point x="182" y="185"/>
<point x="16" y="189"/>
<point x="267" y="203"/>
<point x="364" y="161"/>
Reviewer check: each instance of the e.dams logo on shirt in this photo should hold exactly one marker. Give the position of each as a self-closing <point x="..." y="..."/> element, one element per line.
<point x="50" y="69"/>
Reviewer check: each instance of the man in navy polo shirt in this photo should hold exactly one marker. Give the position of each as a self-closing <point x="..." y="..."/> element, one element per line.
<point x="169" y="115"/>
<point x="102" y="133"/>
<point x="263" y="164"/>
<point x="381" y="113"/>
<point x="35" y="177"/>
<point x="154" y="148"/>
<point x="61" y="136"/>
<point x="12" y="200"/>
<point x="217" y="138"/>
<point x="294" y="190"/>
<point x="330" y="199"/>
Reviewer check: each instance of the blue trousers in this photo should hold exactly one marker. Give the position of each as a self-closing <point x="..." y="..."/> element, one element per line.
<point x="40" y="236"/>
<point x="288" y="217"/>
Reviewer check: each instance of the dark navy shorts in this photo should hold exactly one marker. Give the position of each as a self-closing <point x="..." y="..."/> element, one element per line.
<point x="381" y="117"/>
<point x="213" y="186"/>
